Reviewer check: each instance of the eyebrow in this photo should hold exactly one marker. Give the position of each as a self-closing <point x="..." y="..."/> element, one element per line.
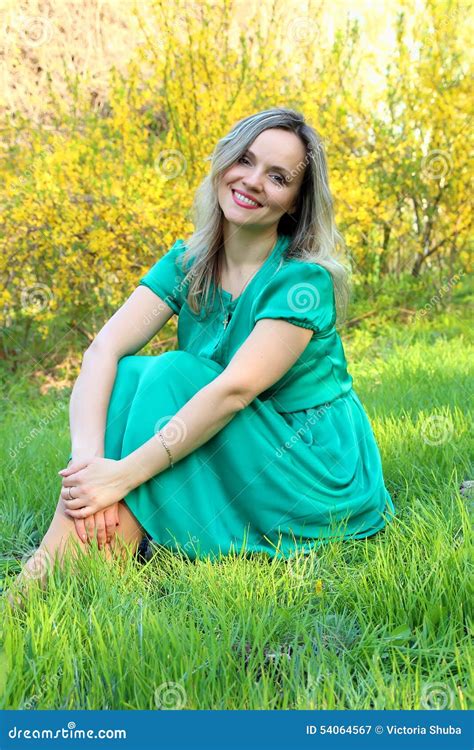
<point x="275" y="166"/>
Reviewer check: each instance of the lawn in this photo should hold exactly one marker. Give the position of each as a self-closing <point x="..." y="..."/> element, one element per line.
<point x="381" y="623"/>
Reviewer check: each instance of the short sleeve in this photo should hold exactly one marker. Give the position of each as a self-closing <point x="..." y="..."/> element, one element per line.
<point x="302" y="293"/>
<point x="166" y="277"/>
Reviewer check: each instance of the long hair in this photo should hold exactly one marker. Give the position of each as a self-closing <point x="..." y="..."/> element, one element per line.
<point x="312" y="229"/>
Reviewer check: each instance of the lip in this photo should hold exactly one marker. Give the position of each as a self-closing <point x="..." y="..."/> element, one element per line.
<point x="250" y="197"/>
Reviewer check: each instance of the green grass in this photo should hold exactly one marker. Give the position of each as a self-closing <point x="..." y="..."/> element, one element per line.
<point x="389" y="629"/>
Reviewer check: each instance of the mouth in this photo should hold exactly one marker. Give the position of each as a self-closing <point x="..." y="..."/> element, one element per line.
<point x="244" y="200"/>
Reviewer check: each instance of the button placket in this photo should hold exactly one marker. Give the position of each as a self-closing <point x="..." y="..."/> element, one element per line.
<point x="221" y="338"/>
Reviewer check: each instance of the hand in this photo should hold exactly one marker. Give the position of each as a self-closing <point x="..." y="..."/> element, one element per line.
<point x="96" y="483"/>
<point x="104" y="521"/>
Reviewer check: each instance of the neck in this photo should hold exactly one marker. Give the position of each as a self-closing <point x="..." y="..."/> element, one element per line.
<point x="246" y="249"/>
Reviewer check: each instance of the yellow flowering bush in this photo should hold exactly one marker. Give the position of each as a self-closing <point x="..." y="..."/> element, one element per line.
<point x="92" y="196"/>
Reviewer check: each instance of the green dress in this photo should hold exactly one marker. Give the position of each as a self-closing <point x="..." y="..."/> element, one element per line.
<point x="297" y="467"/>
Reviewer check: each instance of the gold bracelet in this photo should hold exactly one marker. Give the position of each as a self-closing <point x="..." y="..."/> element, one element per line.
<point x="167" y="449"/>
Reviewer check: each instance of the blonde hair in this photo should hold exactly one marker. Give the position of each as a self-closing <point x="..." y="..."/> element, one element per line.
<point x="311" y="228"/>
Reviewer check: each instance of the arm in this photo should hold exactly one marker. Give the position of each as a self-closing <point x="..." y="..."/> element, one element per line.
<point x="265" y="356"/>
<point x="127" y="331"/>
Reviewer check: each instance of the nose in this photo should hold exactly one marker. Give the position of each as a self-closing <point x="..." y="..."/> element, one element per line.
<point x="253" y="181"/>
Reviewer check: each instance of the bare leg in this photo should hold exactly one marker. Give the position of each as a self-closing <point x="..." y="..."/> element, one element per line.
<point x="62" y="540"/>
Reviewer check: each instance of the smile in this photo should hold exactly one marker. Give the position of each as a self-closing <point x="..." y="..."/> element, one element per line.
<point x="242" y="200"/>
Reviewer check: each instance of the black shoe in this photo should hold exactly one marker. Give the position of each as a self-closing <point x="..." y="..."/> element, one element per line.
<point x="144" y="551"/>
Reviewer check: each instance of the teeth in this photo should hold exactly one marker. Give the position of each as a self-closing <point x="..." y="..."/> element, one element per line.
<point x="244" y="199"/>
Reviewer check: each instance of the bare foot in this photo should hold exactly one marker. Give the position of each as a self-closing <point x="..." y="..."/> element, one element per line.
<point x="35" y="570"/>
<point x="15" y="601"/>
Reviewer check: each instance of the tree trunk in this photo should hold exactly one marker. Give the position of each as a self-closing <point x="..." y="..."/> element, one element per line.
<point x="419" y="260"/>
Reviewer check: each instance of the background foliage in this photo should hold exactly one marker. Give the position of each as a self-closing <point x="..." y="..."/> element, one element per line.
<point x="102" y="153"/>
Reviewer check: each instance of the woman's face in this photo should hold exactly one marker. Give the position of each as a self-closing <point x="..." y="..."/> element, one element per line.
<point x="270" y="174"/>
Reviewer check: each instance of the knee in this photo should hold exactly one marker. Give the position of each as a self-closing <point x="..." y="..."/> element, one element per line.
<point x="62" y="528"/>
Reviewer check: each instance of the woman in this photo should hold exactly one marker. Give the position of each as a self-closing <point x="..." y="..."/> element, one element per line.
<point x="250" y="436"/>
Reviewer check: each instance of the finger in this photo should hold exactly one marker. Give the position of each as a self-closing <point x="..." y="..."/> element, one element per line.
<point x="73" y="480"/>
<point x="75" y="466"/>
<point x="110" y="530"/>
<point x="80" y="529"/>
<point x="100" y="527"/>
<point x="81" y="513"/>
<point x="111" y="521"/>
<point x="101" y="536"/>
<point x="90" y="527"/>
<point x="65" y="493"/>
<point x="75" y="503"/>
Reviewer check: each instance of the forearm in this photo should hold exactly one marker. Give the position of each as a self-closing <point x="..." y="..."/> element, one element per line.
<point x="90" y="400"/>
<point x="202" y="417"/>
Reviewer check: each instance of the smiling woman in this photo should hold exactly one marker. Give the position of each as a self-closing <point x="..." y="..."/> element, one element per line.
<point x="249" y="437"/>
<point x="296" y="465"/>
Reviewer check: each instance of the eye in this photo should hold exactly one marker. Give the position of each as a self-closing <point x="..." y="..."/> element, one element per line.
<point x="280" y="179"/>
